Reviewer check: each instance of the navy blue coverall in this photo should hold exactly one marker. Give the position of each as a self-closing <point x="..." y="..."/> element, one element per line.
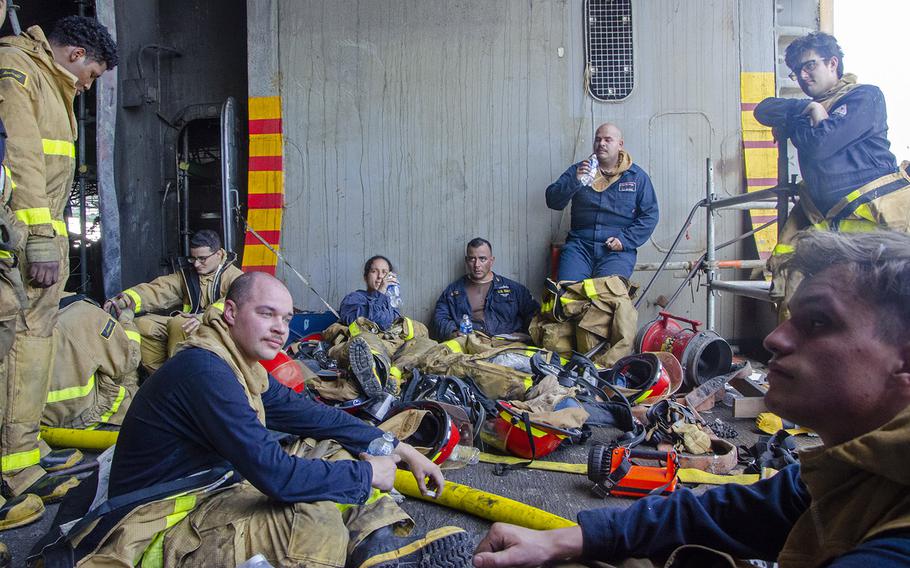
<point x="508" y="309"/>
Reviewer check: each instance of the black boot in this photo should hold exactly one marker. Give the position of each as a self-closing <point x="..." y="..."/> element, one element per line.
<point x="446" y="547"/>
<point x="363" y="366"/>
<point x="58" y="460"/>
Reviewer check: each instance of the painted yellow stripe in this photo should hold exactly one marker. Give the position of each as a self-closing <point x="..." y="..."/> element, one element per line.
<point x="71" y="392"/>
<point x="59" y="148"/>
<point x="265" y="182"/>
<point x="259" y="255"/>
<point x="20" y="460"/>
<point x="134" y="336"/>
<point x="762" y="163"/>
<point x="264" y="107"/>
<point x="755" y="87"/>
<point x="137" y="299"/>
<point x="34" y="216"/>
<point x="265" y="145"/>
<point x="264" y="219"/>
<point x="762" y="135"/>
<point x="749" y="122"/>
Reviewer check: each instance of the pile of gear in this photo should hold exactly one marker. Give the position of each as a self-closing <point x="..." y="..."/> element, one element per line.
<point x="451" y="417"/>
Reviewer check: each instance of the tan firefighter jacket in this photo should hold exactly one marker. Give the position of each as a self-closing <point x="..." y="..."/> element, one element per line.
<point x="94" y="368"/>
<point x="37" y="110"/>
<point x="184" y="290"/>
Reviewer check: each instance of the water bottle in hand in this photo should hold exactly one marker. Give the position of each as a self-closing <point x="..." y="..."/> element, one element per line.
<point x="382" y="446"/>
<point x="393" y="291"/>
<point x="593" y="164"/>
<point x="466" y="327"/>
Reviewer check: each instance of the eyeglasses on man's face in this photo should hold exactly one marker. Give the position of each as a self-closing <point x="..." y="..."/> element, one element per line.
<point x="200" y="259"/>
<point x="807" y="66"/>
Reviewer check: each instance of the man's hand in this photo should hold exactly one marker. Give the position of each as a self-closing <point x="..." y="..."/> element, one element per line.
<point x="509" y="545"/>
<point x="614" y="244"/>
<point x="383" y="470"/>
<point x="422" y="468"/>
<point x="117" y="304"/>
<point x="816" y="112"/>
<point x="43" y="274"/>
<point x="583" y="168"/>
<point x="191" y="324"/>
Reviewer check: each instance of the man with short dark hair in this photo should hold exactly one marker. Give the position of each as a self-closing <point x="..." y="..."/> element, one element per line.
<point x="39" y="78"/>
<point x="841" y="366"/>
<point x="851" y="179"/>
<point x="212" y="409"/>
<point x="495" y="304"/>
<point x="183" y="296"/>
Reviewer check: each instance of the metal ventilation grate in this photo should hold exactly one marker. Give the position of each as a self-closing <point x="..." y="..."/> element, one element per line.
<point x="608" y="35"/>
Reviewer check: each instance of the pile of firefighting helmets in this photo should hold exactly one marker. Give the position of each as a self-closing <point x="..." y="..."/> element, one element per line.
<point x="512" y="430"/>
<point x="443" y="427"/>
<point x="646" y="378"/>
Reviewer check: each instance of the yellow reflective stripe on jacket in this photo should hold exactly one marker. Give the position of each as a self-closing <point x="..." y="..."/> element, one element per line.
<point x="354" y="329"/>
<point x="395" y="372"/>
<point x="453" y="346"/>
<point x="121" y="394"/>
<point x="34" y="216"/>
<point x="408" y="329"/>
<point x="9" y="174"/>
<point x="857" y="226"/>
<point x="59" y="148"/>
<point x="548" y="304"/>
<point x="186" y="308"/>
<point x="218" y="306"/>
<point x="59" y="227"/>
<point x="137" y="299"/>
<point x="590" y="288"/>
<point x="783" y="249"/>
<point x="6" y="254"/>
<point x="71" y="392"/>
<point x="134" y="336"/>
<point x="529" y="382"/>
<point x="20" y="460"/>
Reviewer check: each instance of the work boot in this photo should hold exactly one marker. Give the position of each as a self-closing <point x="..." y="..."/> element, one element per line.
<point x="61" y="459"/>
<point x="446" y="547"/>
<point x="6" y="559"/>
<point x="53" y="488"/>
<point x="22" y="510"/>
<point x="363" y="366"/>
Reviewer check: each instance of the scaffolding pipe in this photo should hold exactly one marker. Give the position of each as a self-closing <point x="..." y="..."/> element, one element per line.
<point x="690" y="264"/>
<point x="710" y="253"/>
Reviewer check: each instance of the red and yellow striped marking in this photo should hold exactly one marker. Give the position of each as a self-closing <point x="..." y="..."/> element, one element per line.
<point x="760" y="153"/>
<point x="265" y="184"/>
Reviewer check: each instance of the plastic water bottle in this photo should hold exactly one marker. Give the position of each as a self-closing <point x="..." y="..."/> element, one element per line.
<point x="258" y="561"/>
<point x="382" y="446"/>
<point x="393" y="291"/>
<point x="466" y="327"/>
<point x="468" y="455"/>
<point x="588" y="178"/>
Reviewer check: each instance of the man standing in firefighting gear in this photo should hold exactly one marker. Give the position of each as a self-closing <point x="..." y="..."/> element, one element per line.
<point x="39" y="78"/>
<point x="851" y="181"/>
<point x="183" y="296"/>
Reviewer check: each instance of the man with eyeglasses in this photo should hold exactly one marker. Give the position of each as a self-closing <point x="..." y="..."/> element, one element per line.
<point x="179" y="298"/>
<point x="495" y="304"/>
<point x="851" y="180"/>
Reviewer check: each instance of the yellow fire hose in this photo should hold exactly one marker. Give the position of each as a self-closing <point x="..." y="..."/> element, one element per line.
<point x="482" y="504"/>
<point x="96" y="440"/>
<point x="686" y="475"/>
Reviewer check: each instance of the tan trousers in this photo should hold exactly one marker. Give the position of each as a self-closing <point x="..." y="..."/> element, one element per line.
<point x="160" y="337"/>
<point x="228" y="527"/>
<point x="27" y="378"/>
